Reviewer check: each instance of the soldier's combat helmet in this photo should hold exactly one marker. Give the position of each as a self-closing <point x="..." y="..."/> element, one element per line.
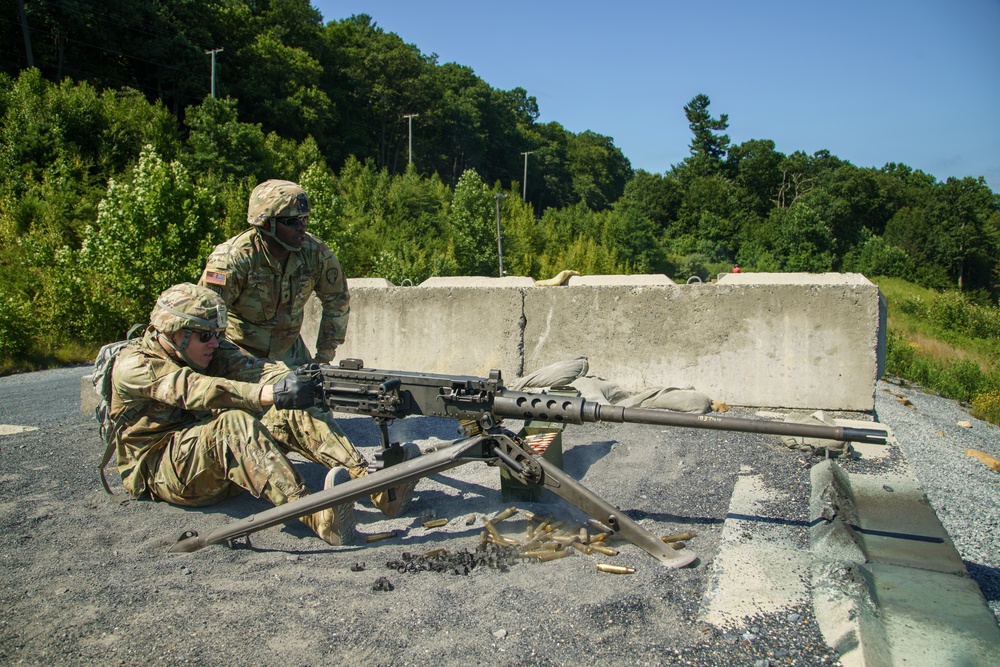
<point x="276" y="199"/>
<point x="189" y="308"/>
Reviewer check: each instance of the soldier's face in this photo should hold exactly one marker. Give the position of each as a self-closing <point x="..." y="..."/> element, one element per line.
<point x="200" y="351"/>
<point x="292" y="231"/>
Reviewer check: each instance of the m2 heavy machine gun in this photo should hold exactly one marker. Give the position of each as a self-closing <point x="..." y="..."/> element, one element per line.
<point x="480" y="404"/>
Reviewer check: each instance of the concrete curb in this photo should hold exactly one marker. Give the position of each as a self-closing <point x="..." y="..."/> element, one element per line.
<point x="889" y="587"/>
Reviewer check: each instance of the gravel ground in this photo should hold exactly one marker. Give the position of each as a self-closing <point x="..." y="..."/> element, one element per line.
<point x="86" y="579"/>
<point x="964" y="492"/>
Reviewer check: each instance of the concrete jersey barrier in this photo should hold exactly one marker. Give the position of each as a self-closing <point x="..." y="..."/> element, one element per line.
<point x="783" y="340"/>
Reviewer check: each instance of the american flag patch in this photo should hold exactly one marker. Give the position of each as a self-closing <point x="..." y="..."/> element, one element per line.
<point x="213" y="278"/>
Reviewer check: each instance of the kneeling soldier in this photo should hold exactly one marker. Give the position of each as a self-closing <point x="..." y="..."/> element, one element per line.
<point x="188" y="405"/>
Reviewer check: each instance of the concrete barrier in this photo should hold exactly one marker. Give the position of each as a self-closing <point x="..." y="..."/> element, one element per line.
<point x="804" y="341"/>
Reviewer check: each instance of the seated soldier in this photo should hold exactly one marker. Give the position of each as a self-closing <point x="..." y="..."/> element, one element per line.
<point x="188" y="404"/>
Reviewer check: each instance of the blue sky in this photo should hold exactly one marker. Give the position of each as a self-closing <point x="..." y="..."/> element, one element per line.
<point x="914" y="82"/>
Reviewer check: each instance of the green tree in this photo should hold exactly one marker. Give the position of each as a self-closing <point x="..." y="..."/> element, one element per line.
<point x="708" y="146"/>
<point x="152" y="231"/>
<point x="473" y="225"/>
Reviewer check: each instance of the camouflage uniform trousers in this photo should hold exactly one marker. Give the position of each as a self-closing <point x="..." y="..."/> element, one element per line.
<point x="236" y="450"/>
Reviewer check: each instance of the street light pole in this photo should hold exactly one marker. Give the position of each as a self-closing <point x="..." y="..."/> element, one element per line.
<point x="524" y="197"/>
<point x="409" y="154"/>
<point x="499" y="238"/>
<point x="213" y="52"/>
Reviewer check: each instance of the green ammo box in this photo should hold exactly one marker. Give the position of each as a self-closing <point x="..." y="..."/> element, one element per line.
<point x="545" y="438"/>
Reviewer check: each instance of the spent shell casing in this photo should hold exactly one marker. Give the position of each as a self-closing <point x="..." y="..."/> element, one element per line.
<point x="676" y="546"/>
<point x="581" y="547"/>
<point x="435" y="523"/>
<point x="615" y="569"/>
<point x="552" y="555"/>
<point x="584" y="535"/>
<point x="677" y="537"/>
<point x="471" y="520"/>
<point x="506" y="514"/>
<point x="601" y="549"/>
<point x="380" y="536"/>
<point x="434" y="552"/>
<point x="597" y="526"/>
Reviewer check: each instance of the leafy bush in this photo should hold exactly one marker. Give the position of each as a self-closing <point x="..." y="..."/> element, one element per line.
<point x="151" y="232"/>
<point x="986" y="406"/>
<point x="952" y="312"/>
<point x="15" y="327"/>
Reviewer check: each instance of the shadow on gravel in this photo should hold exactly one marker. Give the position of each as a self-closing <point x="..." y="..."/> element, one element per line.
<point x="666" y="517"/>
<point x="584" y="456"/>
<point x="988" y="579"/>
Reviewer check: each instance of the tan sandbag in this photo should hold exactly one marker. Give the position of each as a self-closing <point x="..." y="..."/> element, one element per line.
<point x="833" y="449"/>
<point x="558" y="374"/>
<point x="559" y="279"/>
<point x="670" y="398"/>
<point x="598" y="390"/>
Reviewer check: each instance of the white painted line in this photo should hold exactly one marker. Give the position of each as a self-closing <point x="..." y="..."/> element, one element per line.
<point x="758" y="569"/>
<point x="11" y="429"/>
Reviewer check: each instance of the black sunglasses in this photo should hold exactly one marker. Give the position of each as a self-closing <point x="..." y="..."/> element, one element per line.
<point x="295" y="221"/>
<point x="205" y="336"/>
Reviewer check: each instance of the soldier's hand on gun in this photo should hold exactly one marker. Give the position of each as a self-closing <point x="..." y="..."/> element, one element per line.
<point x="291" y="393"/>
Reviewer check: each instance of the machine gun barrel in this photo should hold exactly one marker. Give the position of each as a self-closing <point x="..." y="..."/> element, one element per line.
<point x="576" y="410"/>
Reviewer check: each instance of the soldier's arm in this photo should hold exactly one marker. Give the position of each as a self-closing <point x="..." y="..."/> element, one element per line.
<point x="331" y="289"/>
<point x="142" y="378"/>
<point x="232" y="362"/>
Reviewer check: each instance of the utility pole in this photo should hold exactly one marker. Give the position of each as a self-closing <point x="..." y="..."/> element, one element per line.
<point x="213" y="52"/>
<point x="499" y="238"/>
<point x="524" y="197"/>
<point x="409" y="154"/>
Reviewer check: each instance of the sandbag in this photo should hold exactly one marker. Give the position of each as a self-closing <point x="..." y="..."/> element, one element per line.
<point x="833" y="449"/>
<point x="670" y="398"/>
<point x="558" y="374"/>
<point x="598" y="389"/>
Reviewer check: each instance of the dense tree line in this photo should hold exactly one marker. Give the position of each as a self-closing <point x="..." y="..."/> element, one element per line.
<point x="118" y="172"/>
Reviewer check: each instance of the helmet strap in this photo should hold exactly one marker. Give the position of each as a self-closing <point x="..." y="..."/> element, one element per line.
<point x="269" y="230"/>
<point x="181" y="349"/>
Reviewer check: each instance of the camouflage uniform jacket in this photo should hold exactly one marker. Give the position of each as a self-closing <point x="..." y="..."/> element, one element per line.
<point x="164" y="397"/>
<point x="266" y="301"/>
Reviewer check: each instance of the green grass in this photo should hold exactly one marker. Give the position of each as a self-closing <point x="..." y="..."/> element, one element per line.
<point x="945" y="344"/>
<point x="69" y="354"/>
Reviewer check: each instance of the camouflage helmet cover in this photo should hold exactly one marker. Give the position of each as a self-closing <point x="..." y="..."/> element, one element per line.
<point x="187" y="306"/>
<point x="276" y="199"/>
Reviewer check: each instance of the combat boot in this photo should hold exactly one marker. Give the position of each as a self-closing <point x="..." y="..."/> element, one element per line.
<point x="322" y="524"/>
<point x="334" y="525"/>
<point x="395" y="500"/>
<point x="343" y="514"/>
